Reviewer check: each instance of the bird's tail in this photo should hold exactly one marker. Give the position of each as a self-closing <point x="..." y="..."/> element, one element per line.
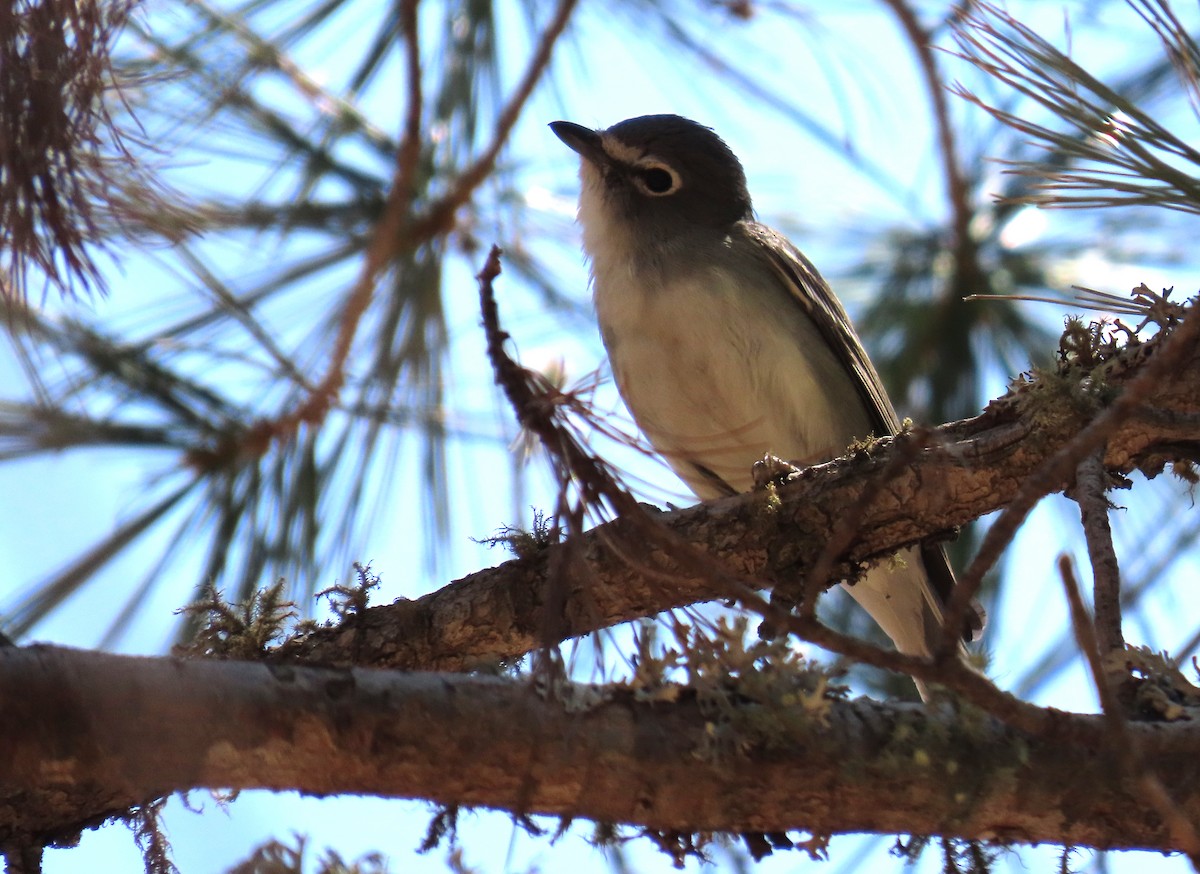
<point x="898" y="595"/>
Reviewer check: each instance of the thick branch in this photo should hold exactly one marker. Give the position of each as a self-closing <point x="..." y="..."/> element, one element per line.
<point x="84" y="734"/>
<point x="972" y="468"/>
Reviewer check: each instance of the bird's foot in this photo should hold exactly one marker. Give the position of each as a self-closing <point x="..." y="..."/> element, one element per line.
<point x="772" y="469"/>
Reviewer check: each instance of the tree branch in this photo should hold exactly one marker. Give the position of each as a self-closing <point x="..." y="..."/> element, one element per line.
<point x="88" y="734"/>
<point x="971" y="468"/>
<point x="1089" y="492"/>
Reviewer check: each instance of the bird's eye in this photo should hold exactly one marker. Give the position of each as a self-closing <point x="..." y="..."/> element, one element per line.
<point x="657" y="179"/>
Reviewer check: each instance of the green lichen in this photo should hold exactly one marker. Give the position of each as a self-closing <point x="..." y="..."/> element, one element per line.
<point x="522" y="543"/>
<point x="351" y="600"/>
<point x="755" y="694"/>
<point x="242" y="630"/>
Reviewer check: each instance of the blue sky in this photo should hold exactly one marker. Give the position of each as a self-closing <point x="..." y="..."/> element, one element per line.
<point x="603" y="77"/>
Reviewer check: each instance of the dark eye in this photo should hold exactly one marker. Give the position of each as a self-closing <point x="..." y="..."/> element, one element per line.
<point x="658" y="180"/>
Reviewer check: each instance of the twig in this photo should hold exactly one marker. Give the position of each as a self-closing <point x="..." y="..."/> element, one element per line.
<point x="410" y="143"/>
<point x="1121" y="741"/>
<point x="1089" y="492"/>
<point x="954" y="675"/>
<point x="1059" y="469"/>
<point x="439" y="218"/>
<point x="1085" y="636"/>
<point x="956" y="187"/>
<point x="1176" y="420"/>
<point x="388" y="240"/>
<point x="394" y="232"/>
<point x="398" y="230"/>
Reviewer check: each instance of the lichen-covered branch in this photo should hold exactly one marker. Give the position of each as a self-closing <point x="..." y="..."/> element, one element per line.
<point x="88" y="734"/>
<point x="970" y="468"/>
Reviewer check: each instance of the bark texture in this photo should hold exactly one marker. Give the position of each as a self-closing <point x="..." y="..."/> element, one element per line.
<point x="84" y="735"/>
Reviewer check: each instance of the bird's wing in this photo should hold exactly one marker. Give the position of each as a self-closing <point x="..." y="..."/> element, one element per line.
<point x="814" y="295"/>
<point x="811" y="291"/>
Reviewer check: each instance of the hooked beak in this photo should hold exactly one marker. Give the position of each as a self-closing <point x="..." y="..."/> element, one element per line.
<point x="582" y="140"/>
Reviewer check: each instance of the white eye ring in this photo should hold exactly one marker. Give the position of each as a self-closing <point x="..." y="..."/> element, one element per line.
<point x="656" y="179"/>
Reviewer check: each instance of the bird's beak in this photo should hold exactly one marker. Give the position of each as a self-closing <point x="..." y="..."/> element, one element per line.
<point x="581" y="139"/>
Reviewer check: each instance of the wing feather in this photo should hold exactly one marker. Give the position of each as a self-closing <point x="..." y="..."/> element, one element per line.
<point x="811" y="291"/>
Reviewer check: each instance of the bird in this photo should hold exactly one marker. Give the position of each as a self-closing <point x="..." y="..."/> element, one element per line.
<point x="725" y="342"/>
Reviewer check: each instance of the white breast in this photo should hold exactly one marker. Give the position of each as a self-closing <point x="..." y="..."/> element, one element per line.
<point x="718" y="376"/>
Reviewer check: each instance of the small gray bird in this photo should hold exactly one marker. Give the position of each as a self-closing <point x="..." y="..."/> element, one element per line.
<point x="725" y="342"/>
